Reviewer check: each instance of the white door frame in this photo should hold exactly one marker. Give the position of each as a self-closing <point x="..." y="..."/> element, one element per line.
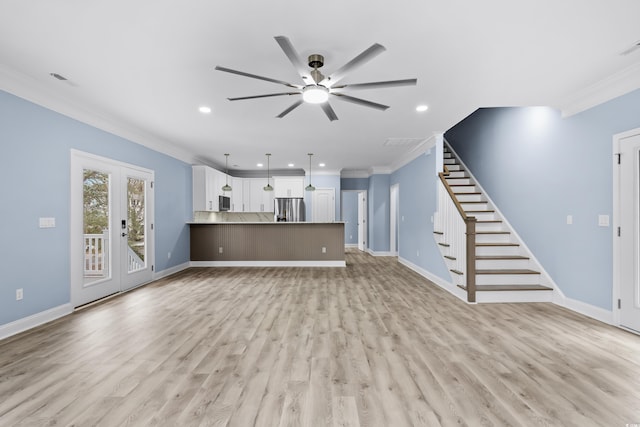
<point x="78" y="160"/>
<point x="394" y="200"/>
<point x="617" y="242"/>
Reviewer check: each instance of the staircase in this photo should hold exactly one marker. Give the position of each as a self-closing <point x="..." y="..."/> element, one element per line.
<point x="504" y="270"/>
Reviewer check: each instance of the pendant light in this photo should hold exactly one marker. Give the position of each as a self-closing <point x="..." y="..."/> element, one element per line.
<point x="310" y="187"/>
<point x="268" y="187"/>
<point x="226" y="186"/>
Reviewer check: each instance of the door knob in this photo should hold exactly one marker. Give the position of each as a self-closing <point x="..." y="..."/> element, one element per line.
<point x="124" y="234"/>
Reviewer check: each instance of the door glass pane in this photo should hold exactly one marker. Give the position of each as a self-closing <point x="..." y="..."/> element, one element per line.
<point x="136" y="247"/>
<point x="97" y="251"/>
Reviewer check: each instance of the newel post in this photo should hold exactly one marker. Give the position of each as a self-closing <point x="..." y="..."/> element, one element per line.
<point x="470" y="222"/>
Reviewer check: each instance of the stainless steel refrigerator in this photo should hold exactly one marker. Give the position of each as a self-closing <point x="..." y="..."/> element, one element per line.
<point x="289" y="210"/>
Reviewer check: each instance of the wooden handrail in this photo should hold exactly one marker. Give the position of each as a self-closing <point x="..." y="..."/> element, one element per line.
<point x="470" y="224"/>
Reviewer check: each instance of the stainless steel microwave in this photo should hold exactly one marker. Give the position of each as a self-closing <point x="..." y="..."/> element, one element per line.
<point x="224" y="203"/>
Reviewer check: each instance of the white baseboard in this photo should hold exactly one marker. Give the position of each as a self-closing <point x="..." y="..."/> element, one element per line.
<point x="172" y="270"/>
<point x="34" y="320"/>
<point x="449" y="287"/>
<point x="380" y="253"/>
<point x="588" y="310"/>
<point x="268" y="264"/>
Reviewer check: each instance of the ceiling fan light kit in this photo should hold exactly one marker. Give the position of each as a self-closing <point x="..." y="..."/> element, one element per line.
<point x="324" y="87"/>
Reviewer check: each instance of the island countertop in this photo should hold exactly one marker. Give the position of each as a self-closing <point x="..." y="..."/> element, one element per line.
<point x="267" y="244"/>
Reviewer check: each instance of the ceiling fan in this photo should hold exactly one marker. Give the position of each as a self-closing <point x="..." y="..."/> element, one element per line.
<point x="317" y="88"/>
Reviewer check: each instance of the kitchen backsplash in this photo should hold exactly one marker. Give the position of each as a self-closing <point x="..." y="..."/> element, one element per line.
<point x="233" y="217"/>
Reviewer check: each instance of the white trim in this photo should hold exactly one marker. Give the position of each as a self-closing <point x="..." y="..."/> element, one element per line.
<point x="171" y="270"/>
<point x="588" y="310"/>
<point x="380" y="253"/>
<point x="422" y="148"/>
<point x="618" y="84"/>
<point x="515" y="297"/>
<point x="447" y="286"/>
<point x="617" y="248"/>
<point x="267" y="264"/>
<point x="35" y="91"/>
<point x="34" y="320"/>
<point x="351" y="245"/>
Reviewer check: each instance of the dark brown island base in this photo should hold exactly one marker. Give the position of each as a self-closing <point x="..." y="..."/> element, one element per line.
<point x="295" y="244"/>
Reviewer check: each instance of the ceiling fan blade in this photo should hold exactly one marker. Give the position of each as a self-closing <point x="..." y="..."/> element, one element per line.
<point x="289" y="50"/>
<point x="362" y="102"/>
<point x="329" y="111"/>
<point x="372" y="85"/>
<point x="373" y="51"/>
<point x="254" y="76"/>
<point x="290" y="109"/>
<point x="263" y="96"/>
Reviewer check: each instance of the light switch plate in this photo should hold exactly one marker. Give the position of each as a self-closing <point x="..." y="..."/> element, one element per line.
<point x="603" y="220"/>
<point x="47" y="222"/>
<point x="569" y="219"/>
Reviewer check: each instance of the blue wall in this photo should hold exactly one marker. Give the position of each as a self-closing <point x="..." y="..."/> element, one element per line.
<point x="538" y="168"/>
<point x="35" y="182"/>
<point x="323" y="181"/>
<point x="418" y="201"/>
<point x="378" y="205"/>
<point x="350" y="216"/>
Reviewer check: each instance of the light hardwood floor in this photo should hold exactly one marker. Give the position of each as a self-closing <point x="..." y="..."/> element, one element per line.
<point x="373" y="344"/>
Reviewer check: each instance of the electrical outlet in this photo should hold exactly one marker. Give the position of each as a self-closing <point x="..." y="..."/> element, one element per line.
<point x="220" y="250"/>
<point x="19" y="294"/>
<point x="569" y="219"/>
<point x="324" y="250"/>
<point x="169" y="255"/>
<point x="417" y="253"/>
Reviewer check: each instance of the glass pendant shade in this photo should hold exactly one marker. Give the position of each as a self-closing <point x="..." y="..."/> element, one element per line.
<point x="268" y="187"/>
<point x="310" y="187"/>
<point x="226" y="186"/>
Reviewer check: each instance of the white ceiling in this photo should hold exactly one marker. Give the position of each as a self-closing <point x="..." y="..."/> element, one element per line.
<point x="142" y="68"/>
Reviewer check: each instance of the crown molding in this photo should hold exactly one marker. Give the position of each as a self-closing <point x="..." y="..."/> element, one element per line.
<point x="32" y="90"/>
<point x="354" y="173"/>
<point x="618" y="84"/>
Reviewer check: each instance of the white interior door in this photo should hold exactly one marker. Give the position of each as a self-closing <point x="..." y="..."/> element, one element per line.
<point x="629" y="212"/>
<point x="324" y="205"/>
<point x="111" y="219"/>
<point x="362" y="220"/>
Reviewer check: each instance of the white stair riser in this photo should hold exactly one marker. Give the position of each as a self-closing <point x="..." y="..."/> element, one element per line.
<point x="497" y="250"/>
<point x="449" y="161"/>
<point x="490" y="226"/>
<point x="493" y="238"/>
<point x="502" y="264"/>
<point x="456" y="174"/>
<point x="514" y="296"/>
<point x="462" y="190"/>
<point x="459" y="181"/>
<point x="507" y="279"/>
<point x="483" y="215"/>
<point x="469" y="197"/>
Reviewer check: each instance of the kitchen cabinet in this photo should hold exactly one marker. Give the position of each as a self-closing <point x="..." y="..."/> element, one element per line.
<point x="237" y="195"/>
<point x="289" y="186"/>
<point x="207" y="186"/>
<point x="254" y="196"/>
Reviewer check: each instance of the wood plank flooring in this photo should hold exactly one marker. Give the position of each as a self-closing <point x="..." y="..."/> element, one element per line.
<point x="373" y="344"/>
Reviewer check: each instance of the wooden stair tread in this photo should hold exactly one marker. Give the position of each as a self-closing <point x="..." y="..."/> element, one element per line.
<point x="462" y="185"/>
<point x="493" y="232"/>
<point x="481" y="288"/>
<point x="485" y="211"/>
<point x="487" y="221"/>
<point x="499" y="257"/>
<point x="472" y="201"/>
<point x="497" y="244"/>
<point x="458" y="272"/>
<point x="452" y="258"/>
<point x="446" y="245"/>
<point x="438" y="232"/>
<point x="470" y="193"/>
<point x="507" y="271"/>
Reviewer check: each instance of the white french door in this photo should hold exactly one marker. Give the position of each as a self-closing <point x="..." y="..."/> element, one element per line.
<point x="627" y="265"/>
<point x="111" y="227"/>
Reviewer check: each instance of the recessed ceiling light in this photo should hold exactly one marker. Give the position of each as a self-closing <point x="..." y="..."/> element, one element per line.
<point x="421" y="108"/>
<point x="291" y="165"/>
<point x="204" y="109"/>
<point x="321" y="165"/>
<point x="259" y="165"/>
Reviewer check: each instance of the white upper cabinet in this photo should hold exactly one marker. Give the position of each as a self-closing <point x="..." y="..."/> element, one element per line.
<point x="290" y="186"/>
<point x="205" y="193"/>
<point x="255" y="198"/>
<point x="237" y="199"/>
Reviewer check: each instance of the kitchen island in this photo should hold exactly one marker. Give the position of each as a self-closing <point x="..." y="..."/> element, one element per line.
<point x="259" y="244"/>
